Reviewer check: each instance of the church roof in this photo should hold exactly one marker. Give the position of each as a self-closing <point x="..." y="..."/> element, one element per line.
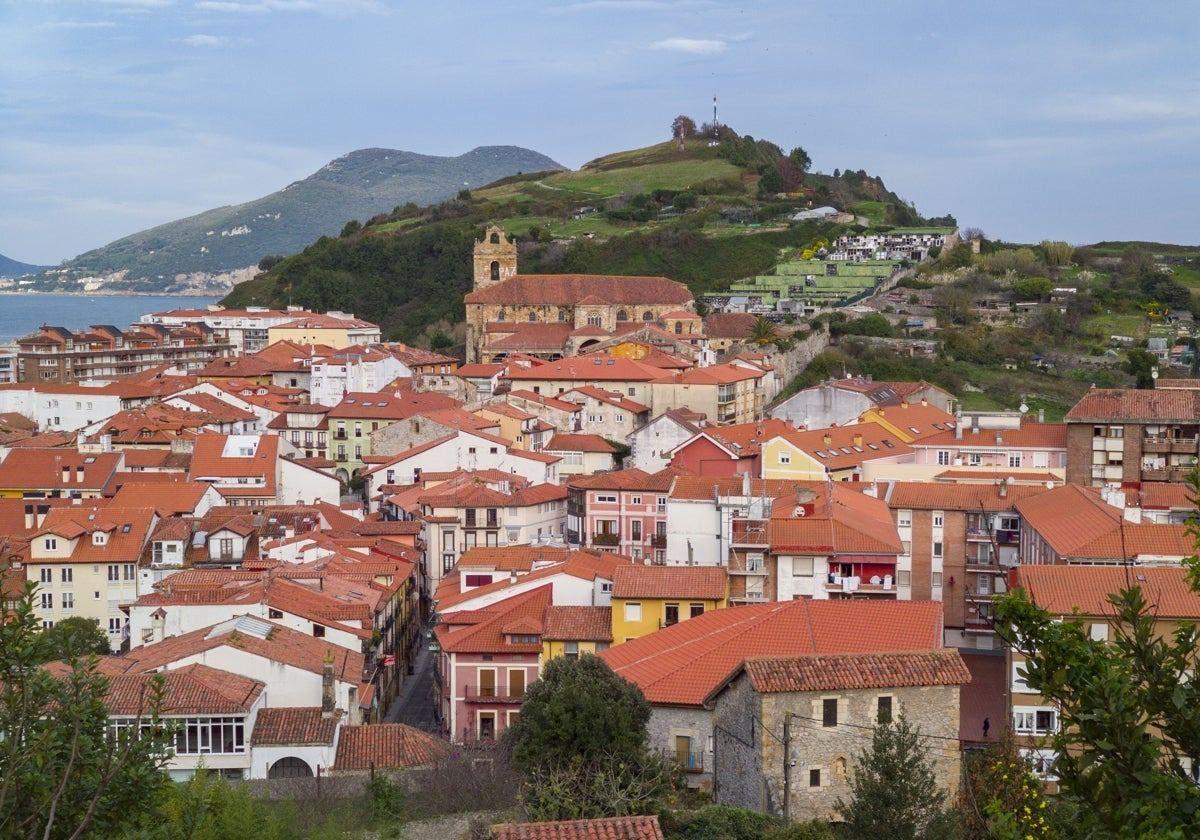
<point x="574" y="289"/>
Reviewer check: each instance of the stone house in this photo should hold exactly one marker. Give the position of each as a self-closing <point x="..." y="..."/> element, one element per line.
<point x="787" y="729"/>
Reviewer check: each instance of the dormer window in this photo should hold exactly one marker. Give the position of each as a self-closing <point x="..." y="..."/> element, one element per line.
<point x="99" y="538"/>
<point x="524" y="639"/>
<point x="50" y="544"/>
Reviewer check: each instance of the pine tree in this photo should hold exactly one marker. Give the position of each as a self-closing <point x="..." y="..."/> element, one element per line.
<point x="895" y="790"/>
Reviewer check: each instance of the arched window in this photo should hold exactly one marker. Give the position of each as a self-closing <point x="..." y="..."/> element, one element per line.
<point x="622" y="315"/>
<point x="647" y="315"/>
<point x="532" y="316"/>
<point x="495" y="240"/>
<point x="679" y="328"/>
<point x="495" y="271"/>
<point x="593" y="320"/>
<point x="290" y="767"/>
<point x="500" y="315"/>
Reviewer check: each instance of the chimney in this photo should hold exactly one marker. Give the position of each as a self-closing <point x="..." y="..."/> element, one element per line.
<point x="872" y="490"/>
<point x="958" y="429"/>
<point x="79" y="475"/>
<point x="746" y="483"/>
<point x="1002" y="487"/>
<point x="1041" y="415"/>
<point x="158" y="625"/>
<point x="827" y="440"/>
<point x="42" y="510"/>
<point x="66" y="475"/>
<point x="924" y="401"/>
<point x="327" y="703"/>
<point x="858" y="439"/>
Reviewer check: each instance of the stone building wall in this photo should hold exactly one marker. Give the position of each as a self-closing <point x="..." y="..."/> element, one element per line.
<point x="666" y="722"/>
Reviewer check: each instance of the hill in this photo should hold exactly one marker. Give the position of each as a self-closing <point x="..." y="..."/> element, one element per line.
<point x="707" y="213"/>
<point x="195" y="250"/>
<point x="13" y="268"/>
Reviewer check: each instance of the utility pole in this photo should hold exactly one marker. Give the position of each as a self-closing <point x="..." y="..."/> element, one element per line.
<point x="787" y="766"/>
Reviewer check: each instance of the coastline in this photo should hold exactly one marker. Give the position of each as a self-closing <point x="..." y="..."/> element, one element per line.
<point x="31" y="293"/>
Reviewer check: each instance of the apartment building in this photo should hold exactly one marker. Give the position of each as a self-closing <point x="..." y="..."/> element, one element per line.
<point x="358" y="414"/>
<point x="56" y="354"/>
<point x="1127" y="437"/>
<point x="726" y="394"/>
<point x="623" y="511"/>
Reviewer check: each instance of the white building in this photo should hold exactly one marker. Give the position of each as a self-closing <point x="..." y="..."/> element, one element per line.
<point x="354" y="370"/>
<point x="651" y="445"/>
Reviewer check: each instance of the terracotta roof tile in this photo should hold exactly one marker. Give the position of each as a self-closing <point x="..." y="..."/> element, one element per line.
<point x="1062" y="590"/>
<point x="582" y="624"/>
<point x="730" y="324"/>
<point x="288" y="725"/>
<point x="579" y="443"/>
<point x="636" y="581"/>
<point x="572" y="289"/>
<point x="843" y="447"/>
<point x="191" y="690"/>
<point x="595" y="368"/>
<point x="1115" y="404"/>
<point x="838" y="672"/>
<point x="605" y="828"/>
<point x="31" y="469"/>
<point x="630" y="479"/>
<point x="683" y="663"/>
<point x="387" y="746"/>
<point x="1030" y="435"/>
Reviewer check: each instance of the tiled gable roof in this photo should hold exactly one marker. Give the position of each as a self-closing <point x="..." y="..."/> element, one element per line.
<point x="604" y="828"/>
<point x="192" y="690"/>
<point x="594" y="368"/>
<point x="518" y="615"/>
<point x="846" y="672"/>
<point x="1030" y="435"/>
<point x="681" y="664"/>
<point x="843" y="447"/>
<point x="579" y="443"/>
<point x="637" y="581"/>
<point x="1120" y="404"/>
<point x="574" y="289"/>
<point x="730" y="324"/>
<point x="294" y="725"/>
<point x="630" y="479"/>
<point x="578" y="624"/>
<point x="1063" y="590"/>
<point x="386" y="746"/>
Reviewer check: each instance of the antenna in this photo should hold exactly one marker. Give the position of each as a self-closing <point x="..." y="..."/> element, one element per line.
<point x="715" y="110"/>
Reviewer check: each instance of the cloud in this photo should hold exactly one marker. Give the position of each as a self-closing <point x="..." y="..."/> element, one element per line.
<point x="263" y="6"/>
<point x="137" y="4"/>
<point x="199" y="40"/>
<point x="78" y="24"/>
<point x="694" y="46"/>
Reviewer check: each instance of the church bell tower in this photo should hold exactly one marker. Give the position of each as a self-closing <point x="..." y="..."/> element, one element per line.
<point x="495" y="258"/>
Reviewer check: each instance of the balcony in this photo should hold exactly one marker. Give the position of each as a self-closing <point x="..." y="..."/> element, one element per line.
<point x="750" y="532"/>
<point x="497" y="696"/>
<point x="658" y="541"/>
<point x="749" y="597"/>
<point x="1155" y="474"/>
<point x="689" y="761"/>
<point x="1156" y="444"/>
<point x="1183" y="445"/>
<point x="975" y="534"/>
<point x="606" y="539"/>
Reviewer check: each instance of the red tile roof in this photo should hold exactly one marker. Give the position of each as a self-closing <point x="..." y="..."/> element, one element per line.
<point x="519" y="615"/>
<point x="33" y="469"/>
<point x="579" y="443"/>
<point x="682" y="664"/>
<point x="192" y="690"/>
<point x="605" y="828"/>
<point x="730" y="324"/>
<point x="844" y="447"/>
<point x="572" y="289"/>
<point x="288" y="725"/>
<point x="743" y="439"/>
<point x="511" y="558"/>
<point x="126" y="530"/>
<point x="879" y="392"/>
<point x="711" y="375"/>
<point x="585" y="565"/>
<point x="166" y="499"/>
<point x="610" y="398"/>
<point x="210" y="462"/>
<point x="1030" y="436"/>
<point x="595" y="368"/>
<point x="1116" y="404"/>
<point x="1063" y="590"/>
<point x="389" y="405"/>
<point x="637" y="581"/>
<point x="386" y="746"/>
<point x="916" y="420"/>
<point x="630" y="479"/>
<point x="849" y="671"/>
<point x="549" y="402"/>
<point x="998" y="475"/>
<point x="578" y="624"/>
<point x="525" y="336"/>
<point x="920" y="495"/>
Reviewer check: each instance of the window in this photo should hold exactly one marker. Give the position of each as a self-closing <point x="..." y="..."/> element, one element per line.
<point x="904" y="519"/>
<point x="829" y="711"/>
<point x="903" y="577"/>
<point x="605" y="498"/>
<point x="883" y="709"/>
<point x="695" y="610"/>
<point x="633" y="612"/>
<point x="671" y="614"/>
<point x="785" y="458"/>
<point x="51" y="544"/>
<point x="802" y="567"/>
<point x="274" y="613"/>
<point x="319" y="631"/>
<point x="477" y="580"/>
<point x="68" y="601"/>
<point x="906" y="546"/>
<point x="984" y="584"/>
<point x="939" y="518"/>
<point x="974" y="459"/>
<point x="211" y="736"/>
<point x="943" y="457"/>
<point x="47" y="600"/>
<point x="937" y="548"/>
<point x="47" y="575"/>
<point x="1014" y="459"/>
<point x="571" y="650"/>
<point x="635" y="530"/>
<point x="114" y="573"/>
<point x="936" y="579"/>
<point x="814" y="777"/>
<point x="114" y="626"/>
<point x="1019" y="685"/>
<point x="128" y="571"/>
<point x="1099" y="631"/>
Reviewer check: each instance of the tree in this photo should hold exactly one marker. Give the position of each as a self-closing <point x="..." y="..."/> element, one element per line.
<point x="1032" y="288"/>
<point x="1129" y="710"/>
<point x="581" y="742"/>
<point x="1140" y="364"/>
<point x="1000" y="797"/>
<point x="61" y="774"/>
<point x="579" y="708"/>
<point x="464" y="195"/>
<point x="1057" y="254"/>
<point x="894" y="788"/>
<point x="683" y="127"/>
<point x="764" y="332"/>
<point x="268" y="262"/>
<point x="75" y="638"/>
<point x="351" y="227"/>
<point x="440" y="341"/>
<point x="769" y="181"/>
<point x="959" y="256"/>
<point x="800" y="159"/>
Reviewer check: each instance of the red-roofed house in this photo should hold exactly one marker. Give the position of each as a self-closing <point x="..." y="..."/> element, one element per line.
<point x="679" y="667"/>
<point x="727" y="450"/>
<point x="582" y="454"/>
<point x="607" y="413"/>
<point x="623" y="511"/>
<point x="727" y="394"/>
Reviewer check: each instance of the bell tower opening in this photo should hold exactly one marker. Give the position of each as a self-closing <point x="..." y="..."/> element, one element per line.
<point x="495" y="258"/>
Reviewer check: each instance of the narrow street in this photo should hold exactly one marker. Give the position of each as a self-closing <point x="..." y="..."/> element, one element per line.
<point x="414" y="705"/>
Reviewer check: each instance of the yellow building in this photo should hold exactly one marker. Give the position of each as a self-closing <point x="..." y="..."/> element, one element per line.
<point x="335" y="329"/>
<point x="572" y="631"/>
<point x="647" y="598"/>
<point x="85" y="562"/>
<point x="910" y="422"/>
<point x="836" y="453"/>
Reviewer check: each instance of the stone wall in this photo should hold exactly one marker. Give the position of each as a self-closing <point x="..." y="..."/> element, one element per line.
<point x="667" y="722"/>
<point x="790" y="364"/>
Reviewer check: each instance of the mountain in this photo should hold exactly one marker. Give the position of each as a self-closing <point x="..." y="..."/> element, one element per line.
<point x="12" y="268"/>
<point x="218" y="242"/>
<point x="705" y="213"/>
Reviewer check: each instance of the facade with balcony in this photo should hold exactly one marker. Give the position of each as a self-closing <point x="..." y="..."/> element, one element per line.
<point x="55" y="354"/>
<point x="624" y="512"/>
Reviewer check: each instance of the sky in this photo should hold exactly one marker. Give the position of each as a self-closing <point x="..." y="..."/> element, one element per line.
<point x="1072" y="120"/>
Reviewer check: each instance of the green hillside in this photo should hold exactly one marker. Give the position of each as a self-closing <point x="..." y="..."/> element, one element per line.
<point x="13" y="268"/>
<point x="707" y="213"/>
<point x="359" y="185"/>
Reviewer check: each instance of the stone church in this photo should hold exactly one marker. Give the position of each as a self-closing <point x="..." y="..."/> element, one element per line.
<point x="555" y="315"/>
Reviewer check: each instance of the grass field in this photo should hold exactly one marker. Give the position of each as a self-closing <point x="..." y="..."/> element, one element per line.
<point x="387" y="227"/>
<point x="596" y="224"/>
<point x="1109" y="324"/>
<point x="671" y="175"/>
<point x="875" y="211"/>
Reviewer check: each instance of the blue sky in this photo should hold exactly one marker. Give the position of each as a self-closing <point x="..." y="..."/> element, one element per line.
<point x="1073" y="120"/>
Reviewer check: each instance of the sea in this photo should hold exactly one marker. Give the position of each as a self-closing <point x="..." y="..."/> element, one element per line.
<point x="22" y="314"/>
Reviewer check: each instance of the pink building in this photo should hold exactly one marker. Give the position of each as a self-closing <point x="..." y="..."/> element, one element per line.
<point x="1025" y="446"/>
<point x="623" y="511"/>
<point x="486" y="665"/>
